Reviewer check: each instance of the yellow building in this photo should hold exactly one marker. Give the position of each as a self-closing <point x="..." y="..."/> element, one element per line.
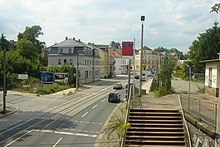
<point x="104" y="59"/>
<point x="150" y="61"/>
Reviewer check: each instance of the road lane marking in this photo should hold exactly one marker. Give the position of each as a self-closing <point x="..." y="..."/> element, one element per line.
<point x="85" y="114"/>
<point x="18" y="138"/>
<point x="57" y="142"/>
<point x="94" y="106"/>
<point x="66" y="133"/>
<point x="103" y="100"/>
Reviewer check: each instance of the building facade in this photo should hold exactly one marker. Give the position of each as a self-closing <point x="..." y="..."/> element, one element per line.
<point x="150" y="61"/>
<point x="212" y="77"/>
<point x="73" y="52"/>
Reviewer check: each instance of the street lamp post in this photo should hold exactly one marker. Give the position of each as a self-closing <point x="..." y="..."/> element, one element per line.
<point x="77" y="71"/>
<point x="4" y="74"/>
<point x="141" y="55"/>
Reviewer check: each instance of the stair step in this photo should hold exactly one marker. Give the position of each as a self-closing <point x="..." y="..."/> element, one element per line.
<point x="156" y="129"/>
<point x="156" y="125"/>
<point x="148" y="142"/>
<point x="135" y="133"/>
<point x="156" y="117"/>
<point x="132" y="145"/>
<point x="154" y="110"/>
<point x="155" y="138"/>
<point x="156" y="121"/>
<point x="154" y="114"/>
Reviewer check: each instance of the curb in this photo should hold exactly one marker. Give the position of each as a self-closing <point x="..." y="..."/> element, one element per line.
<point x="99" y="139"/>
<point x="16" y="109"/>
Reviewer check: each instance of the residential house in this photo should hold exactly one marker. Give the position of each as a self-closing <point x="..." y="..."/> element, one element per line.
<point x="110" y="60"/>
<point x="72" y="51"/>
<point x="150" y="61"/>
<point x="103" y="62"/>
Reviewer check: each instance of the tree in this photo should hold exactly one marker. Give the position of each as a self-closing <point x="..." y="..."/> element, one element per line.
<point x="165" y="76"/>
<point x="215" y="8"/>
<point x="205" y="47"/>
<point x="26" y="49"/>
<point x="32" y="34"/>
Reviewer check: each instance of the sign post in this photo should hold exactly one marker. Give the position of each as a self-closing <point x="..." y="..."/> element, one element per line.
<point x="128" y="53"/>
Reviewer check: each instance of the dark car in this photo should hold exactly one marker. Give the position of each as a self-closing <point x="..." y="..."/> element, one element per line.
<point x="114" y="97"/>
<point x="117" y="86"/>
<point x="136" y="77"/>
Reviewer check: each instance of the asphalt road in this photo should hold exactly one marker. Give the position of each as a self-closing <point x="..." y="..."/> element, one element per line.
<point x="56" y="121"/>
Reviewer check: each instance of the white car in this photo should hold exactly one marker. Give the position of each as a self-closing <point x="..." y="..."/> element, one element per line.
<point x="117" y="86"/>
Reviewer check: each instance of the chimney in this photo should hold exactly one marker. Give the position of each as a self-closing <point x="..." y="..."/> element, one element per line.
<point x="66" y="38"/>
<point x="79" y="40"/>
<point x="74" y="38"/>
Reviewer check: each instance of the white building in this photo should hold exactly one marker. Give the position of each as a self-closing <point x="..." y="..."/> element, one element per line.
<point x="66" y="53"/>
<point x="212" y="76"/>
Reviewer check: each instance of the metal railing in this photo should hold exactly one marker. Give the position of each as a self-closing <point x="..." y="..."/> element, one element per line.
<point x="187" y="133"/>
<point x="203" y="109"/>
<point x="126" y="115"/>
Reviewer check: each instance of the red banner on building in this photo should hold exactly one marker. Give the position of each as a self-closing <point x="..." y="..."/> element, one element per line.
<point x="127" y="50"/>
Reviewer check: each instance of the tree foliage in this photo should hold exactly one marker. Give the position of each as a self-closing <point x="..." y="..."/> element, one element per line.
<point x="165" y="76"/>
<point x="216" y="8"/>
<point x="171" y="50"/>
<point x="205" y="47"/>
<point x="26" y="49"/>
<point x="32" y="34"/>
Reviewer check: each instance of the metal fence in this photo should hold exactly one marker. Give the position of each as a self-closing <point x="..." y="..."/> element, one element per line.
<point x="203" y="109"/>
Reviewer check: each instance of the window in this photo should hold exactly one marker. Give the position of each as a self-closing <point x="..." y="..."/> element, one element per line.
<point x="64" y="61"/>
<point x="71" y="61"/>
<point x="210" y="77"/>
<point x="70" y="50"/>
<point x="59" y="61"/>
<point x="87" y="74"/>
<point x="61" y="50"/>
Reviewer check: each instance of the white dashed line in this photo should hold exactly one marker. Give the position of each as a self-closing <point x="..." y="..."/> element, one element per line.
<point x="66" y="133"/>
<point x="57" y="142"/>
<point x="85" y="114"/>
<point x="103" y="100"/>
<point x="94" y="106"/>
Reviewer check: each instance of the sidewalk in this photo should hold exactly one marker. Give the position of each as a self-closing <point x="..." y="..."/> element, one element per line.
<point x="172" y="101"/>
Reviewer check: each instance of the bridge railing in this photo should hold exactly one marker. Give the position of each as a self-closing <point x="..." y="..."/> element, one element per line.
<point x="203" y="109"/>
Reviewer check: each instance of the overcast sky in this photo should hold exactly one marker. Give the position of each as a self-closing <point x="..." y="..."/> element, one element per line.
<point x="169" y="23"/>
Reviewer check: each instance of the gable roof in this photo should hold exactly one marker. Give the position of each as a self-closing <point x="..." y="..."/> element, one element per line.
<point x="70" y="43"/>
<point x="116" y="55"/>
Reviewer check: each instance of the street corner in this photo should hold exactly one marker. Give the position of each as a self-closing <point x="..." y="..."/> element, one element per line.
<point x="10" y="109"/>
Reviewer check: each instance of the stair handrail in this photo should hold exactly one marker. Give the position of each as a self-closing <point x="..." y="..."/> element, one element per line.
<point x="185" y="124"/>
<point x="126" y="116"/>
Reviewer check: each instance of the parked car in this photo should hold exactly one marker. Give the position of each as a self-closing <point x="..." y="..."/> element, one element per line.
<point x="117" y="86"/>
<point x="114" y="97"/>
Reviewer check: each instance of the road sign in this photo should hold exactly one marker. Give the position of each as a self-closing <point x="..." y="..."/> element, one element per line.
<point x="23" y="76"/>
<point x="189" y="71"/>
<point x="127" y="50"/>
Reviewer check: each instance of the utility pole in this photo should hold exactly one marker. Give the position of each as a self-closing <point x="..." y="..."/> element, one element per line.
<point x="141" y="55"/>
<point x="77" y="71"/>
<point x="133" y="68"/>
<point x="129" y="75"/>
<point x="4" y="74"/>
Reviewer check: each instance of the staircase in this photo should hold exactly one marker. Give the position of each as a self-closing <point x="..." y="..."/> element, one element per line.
<point x="155" y="128"/>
